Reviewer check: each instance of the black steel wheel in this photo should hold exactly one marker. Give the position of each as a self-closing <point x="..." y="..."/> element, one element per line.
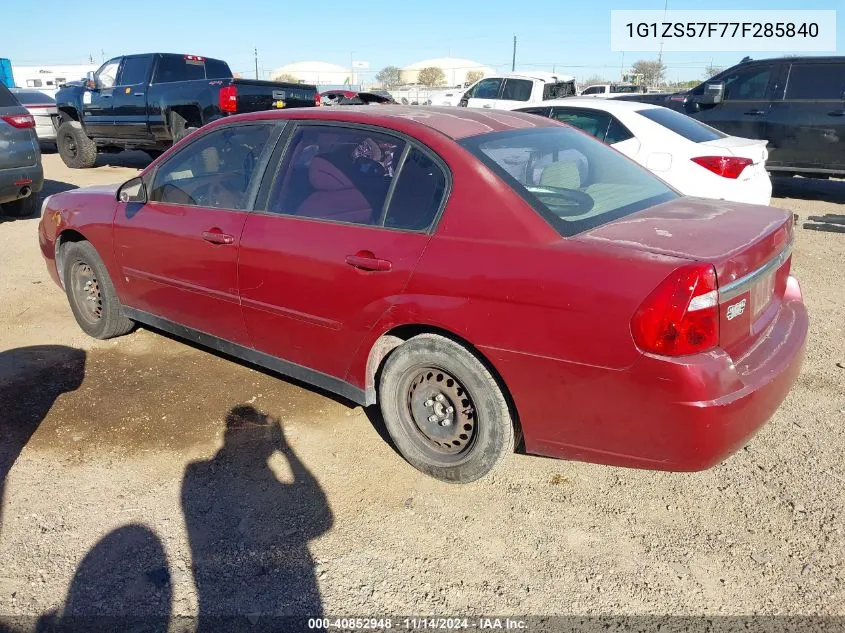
<point x="444" y="410"/>
<point x="76" y="149"/>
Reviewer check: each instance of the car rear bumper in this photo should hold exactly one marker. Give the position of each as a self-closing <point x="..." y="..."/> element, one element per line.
<point x="13" y="181"/>
<point x="681" y="414"/>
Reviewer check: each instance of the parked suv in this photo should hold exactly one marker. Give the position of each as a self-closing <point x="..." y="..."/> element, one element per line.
<point x="508" y="92"/>
<point x="21" y="175"/>
<point x="796" y="103"/>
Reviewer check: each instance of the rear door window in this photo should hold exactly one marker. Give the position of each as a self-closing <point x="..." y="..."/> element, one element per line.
<point x="173" y="68"/>
<point x="517" y="89"/>
<point x="593" y="122"/>
<point x="681" y="124"/>
<point x="816" y="81"/>
<point x="418" y="194"/>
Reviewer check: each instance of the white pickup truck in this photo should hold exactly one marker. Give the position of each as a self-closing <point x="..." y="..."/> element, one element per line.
<point x="508" y="92"/>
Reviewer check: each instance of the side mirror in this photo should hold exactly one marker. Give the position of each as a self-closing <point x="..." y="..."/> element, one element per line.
<point x="90" y="81"/>
<point x="132" y="191"/>
<point x="714" y="92"/>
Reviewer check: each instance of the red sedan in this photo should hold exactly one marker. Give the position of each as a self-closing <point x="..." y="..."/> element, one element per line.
<point x="485" y="277"/>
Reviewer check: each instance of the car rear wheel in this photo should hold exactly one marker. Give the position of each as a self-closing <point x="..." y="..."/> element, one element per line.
<point x="76" y="149"/>
<point x="22" y="208"/>
<point x="444" y="410"/>
<point x="90" y="292"/>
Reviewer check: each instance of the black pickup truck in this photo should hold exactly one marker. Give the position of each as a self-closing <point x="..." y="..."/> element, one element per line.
<point x="795" y="103"/>
<point x="150" y="101"/>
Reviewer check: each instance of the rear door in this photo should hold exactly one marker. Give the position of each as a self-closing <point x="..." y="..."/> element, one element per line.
<point x="485" y="93"/>
<point x="808" y="124"/>
<point x="345" y="219"/>
<point x="129" y="97"/>
<point x="97" y="103"/>
<point x="747" y="100"/>
<point x="515" y="94"/>
<point x="178" y="252"/>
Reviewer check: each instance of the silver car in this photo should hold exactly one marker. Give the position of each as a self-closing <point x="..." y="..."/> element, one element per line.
<point x="21" y="174"/>
<point x="42" y="107"/>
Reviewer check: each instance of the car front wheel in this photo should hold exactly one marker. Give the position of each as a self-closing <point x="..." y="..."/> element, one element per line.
<point x="444" y="410"/>
<point x="90" y="292"/>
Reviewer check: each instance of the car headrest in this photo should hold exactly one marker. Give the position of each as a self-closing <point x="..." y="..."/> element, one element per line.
<point x="563" y="174"/>
<point x="324" y="176"/>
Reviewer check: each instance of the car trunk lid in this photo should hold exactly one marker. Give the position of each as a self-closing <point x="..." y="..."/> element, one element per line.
<point x="749" y="246"/>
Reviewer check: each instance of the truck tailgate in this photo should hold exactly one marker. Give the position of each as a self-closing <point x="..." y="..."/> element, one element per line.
<point x="255" y="95"/>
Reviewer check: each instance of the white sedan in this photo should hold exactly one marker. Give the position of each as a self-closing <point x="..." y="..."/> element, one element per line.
<point x="692" y="157"/>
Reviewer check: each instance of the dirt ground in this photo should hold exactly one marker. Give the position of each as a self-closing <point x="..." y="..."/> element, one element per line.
<point x="123" y="492"/>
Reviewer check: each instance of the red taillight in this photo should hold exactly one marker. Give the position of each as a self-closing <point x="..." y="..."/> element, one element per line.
<point x="229" y="99"/>
<point x="725" y="166"/>
<point x="20" y="121"/>
<point x="681" y="316"/>
<point x="318" y="99"/>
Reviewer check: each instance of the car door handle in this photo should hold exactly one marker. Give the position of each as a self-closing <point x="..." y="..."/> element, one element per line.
<point x="755" y="112"/>
<point x="138" y="94"/>
<point x="365" y="260"/>
<point x="216" y="236"/>
<point x="836" y="113"/>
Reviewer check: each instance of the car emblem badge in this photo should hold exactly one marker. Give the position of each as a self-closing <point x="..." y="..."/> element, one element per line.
<point x="736" y="309"/>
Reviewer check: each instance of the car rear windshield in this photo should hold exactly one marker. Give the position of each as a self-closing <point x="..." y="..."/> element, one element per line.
<point x="558" y="90"/>
<point x="681" y="124"/>
<point x="187" y="67"/>
<point x="32" y="97"/>
<point x="7" y="99"/>
<point x="574" y="181"/>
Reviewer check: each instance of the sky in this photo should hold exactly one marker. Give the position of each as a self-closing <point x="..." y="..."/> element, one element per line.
<point x="570" y="36"/>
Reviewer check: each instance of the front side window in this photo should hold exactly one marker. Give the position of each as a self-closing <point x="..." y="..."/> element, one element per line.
<point x="214" y="171"/>
<point x="691" y="129"/>
<point x="517" y="89"/>
<point x="816" y="81"/>
<point x="107" y="74"/>
<point x="335" y="173"/>
<point x="747" y="84"/>
<point x="487" y="89"/>
<point x="575" y="182"/>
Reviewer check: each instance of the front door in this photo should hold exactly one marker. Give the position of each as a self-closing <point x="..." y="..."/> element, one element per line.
<point x="178" y="253"/>
<point x="808" y="124"/>
<point x="97" y="102"/>
<point x="746" y="102"/>
<point x="129" y="98"/>
<point x="345" y="222"/>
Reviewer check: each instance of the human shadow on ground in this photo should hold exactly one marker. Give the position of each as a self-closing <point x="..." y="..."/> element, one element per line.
<point x="249" y="531"/>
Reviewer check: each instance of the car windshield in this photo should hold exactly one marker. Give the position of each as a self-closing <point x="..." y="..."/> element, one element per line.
<point x="681" y="124"/>
<point x="574" y="181"/>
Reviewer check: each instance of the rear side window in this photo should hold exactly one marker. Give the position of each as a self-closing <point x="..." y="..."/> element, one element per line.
<point x="134" y="70"/>
<point x="575" y="182"/>
<point x="7" y="99"/>
<point x="418" y="193"/>
<point x="616" y="132"/>
<point x="681" y="124"/>
<point x="179" y="68"/>
<point x="517" y="89"/>
<point x="816" y="81"/>
<point x="216" y="69"/>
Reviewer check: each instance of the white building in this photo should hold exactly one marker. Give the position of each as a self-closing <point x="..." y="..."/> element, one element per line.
<point x="320" y="73"/>
<point x="49" y="77"/>
<point x="454" y="68"/>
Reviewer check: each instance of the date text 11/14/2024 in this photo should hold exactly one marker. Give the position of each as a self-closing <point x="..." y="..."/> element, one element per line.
<point x="417" y="624"/>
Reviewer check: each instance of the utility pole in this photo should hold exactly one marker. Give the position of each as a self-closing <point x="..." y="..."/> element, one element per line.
<point x="513" y="61"/>
<point x="256" y="62"/>
<point x="660" y="53"/>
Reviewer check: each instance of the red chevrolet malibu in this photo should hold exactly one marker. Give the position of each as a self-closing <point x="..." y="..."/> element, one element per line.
<point x="485" y="277"/>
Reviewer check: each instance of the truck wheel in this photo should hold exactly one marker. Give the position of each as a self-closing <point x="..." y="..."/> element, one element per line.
<point x="76" y="149"/>
<point x="22" y="208"/>
<point x="91" y="294"/>
<point x="444" y="409"/>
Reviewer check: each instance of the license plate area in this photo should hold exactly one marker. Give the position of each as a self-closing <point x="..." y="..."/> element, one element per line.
<point x="762" y="293"/>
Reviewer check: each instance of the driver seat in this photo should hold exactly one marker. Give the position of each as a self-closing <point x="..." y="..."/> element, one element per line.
<point x="562" y="174"/>
<point x="335" y="196"/>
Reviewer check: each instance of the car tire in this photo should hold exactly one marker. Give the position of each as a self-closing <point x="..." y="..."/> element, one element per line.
<point x="22" y="208"/>
<point x="91" y="293"/>
<point x="444" y="410"/>
<point x="76" y="149"/>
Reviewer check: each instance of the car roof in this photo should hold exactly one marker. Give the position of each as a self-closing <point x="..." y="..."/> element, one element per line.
<point x="594" y="103"/>
<point x="794" y="58"/>
<point x="454" y="122"/>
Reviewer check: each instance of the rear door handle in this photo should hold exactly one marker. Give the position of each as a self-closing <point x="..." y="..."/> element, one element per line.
<point x="836" y="113"/>
<point x="755" y="112"/>
<point x="216" y="236"/>
<point x="365" y="260"/>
